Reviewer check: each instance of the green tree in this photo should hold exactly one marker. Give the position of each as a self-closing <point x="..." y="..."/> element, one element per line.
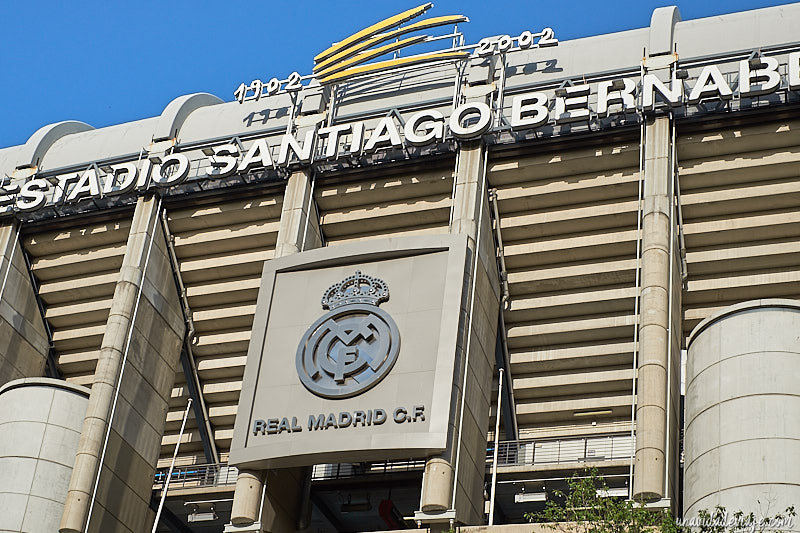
<point x="594" y="514"/>
<point x="589" y="512"/>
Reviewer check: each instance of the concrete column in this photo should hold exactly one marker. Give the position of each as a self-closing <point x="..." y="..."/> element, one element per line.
<point x="461" y="467"/>
<point x="40" y="422"/>
<point x="142" y="343"/>
<point x="247" y="497"/>
<point x="282" y="499"/>
<point x="23" y="338"/>
<point x="469" y="177"/>
<point x="742" y="432"/>
<point x="437" y="485"/>
<point x="654" y="326"/>
<point x="299" y="230"/>
<point x="470" y="210"/>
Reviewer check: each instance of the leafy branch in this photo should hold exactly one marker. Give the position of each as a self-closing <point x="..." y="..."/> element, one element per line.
<point x="594" y="514"/>
<point x="588" y="511"/>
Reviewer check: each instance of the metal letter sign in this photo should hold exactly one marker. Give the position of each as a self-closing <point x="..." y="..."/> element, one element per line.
<point x="351" y="348"/>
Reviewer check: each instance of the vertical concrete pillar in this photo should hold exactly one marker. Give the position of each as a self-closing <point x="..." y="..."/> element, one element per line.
<point x="469" y="185"/>
<point x="40" y="422"/>
<point x="742" y="432"/>
<point x="247" y="497"/>
<point x="23" y="338"/>
<point x="454" y="480"/>
<point x="655" y="361"/>
<point x="135" y="372"/>
<point x="658" y="378"/>
<point x="437" y="485"/>
<point x="299" y="230"/>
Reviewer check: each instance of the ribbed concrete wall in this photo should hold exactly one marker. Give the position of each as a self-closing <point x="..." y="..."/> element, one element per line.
<point x="221" y="249"/>
<point x="77" y="268"/>
<point x="475" y="349"/>
<point x="110" y="489"/>
<point x="740" y="188"/>
<point x="568" y="222"/>
<point x="40" y="424"/>
<point x="23" y="340"/>
<point x="742" y="438"/>
<point x="381" y="206"/>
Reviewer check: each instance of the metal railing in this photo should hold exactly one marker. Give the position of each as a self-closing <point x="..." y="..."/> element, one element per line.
<point x="349" y="470"/>
<point x="555" y="451"/>
<point x="516" y="452"/>
<point x="196" y="476"/>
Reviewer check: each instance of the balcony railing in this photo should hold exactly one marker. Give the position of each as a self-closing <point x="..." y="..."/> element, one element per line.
<point x="511" y="453"/>
<point x="349" y="470"/>
<point x="196" y="476"/>
<point x="555" y="451"/>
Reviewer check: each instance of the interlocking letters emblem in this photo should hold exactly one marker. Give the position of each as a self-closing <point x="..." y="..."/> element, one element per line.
<point x="351" y="348"/>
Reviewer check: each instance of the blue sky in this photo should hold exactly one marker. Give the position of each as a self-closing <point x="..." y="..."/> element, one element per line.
<point x="108" y="62"/>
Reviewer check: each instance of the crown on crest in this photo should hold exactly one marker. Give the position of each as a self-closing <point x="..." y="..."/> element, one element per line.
<point x="356" y="289"/>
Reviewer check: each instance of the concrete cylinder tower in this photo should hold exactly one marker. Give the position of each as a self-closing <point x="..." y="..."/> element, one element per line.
<point x="743" y="410"/>
<point x="40" y="424"/>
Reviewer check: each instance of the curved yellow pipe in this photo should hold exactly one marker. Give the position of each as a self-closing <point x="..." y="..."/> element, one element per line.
<point x="372" y="30"/>
<point x="391" y="63"/>
<point x="358" y="47"/>
<point x="370" y="54"/>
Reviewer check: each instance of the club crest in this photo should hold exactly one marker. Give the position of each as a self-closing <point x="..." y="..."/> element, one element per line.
<point x="352" y="347"/>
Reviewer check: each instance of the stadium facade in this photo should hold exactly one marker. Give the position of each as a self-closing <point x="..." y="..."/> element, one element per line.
<point x="417" y="292"/>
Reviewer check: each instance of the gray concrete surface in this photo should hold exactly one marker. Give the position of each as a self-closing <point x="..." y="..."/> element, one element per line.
<point x="40" y="422"/>
<point x="742" y="405"/>
<point x="23" y="339"/>
<point x="142" y="340"/>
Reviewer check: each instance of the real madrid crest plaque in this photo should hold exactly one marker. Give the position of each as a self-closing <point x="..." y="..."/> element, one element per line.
<point x="353" y="346"/>
<point x="352" y="354"/>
